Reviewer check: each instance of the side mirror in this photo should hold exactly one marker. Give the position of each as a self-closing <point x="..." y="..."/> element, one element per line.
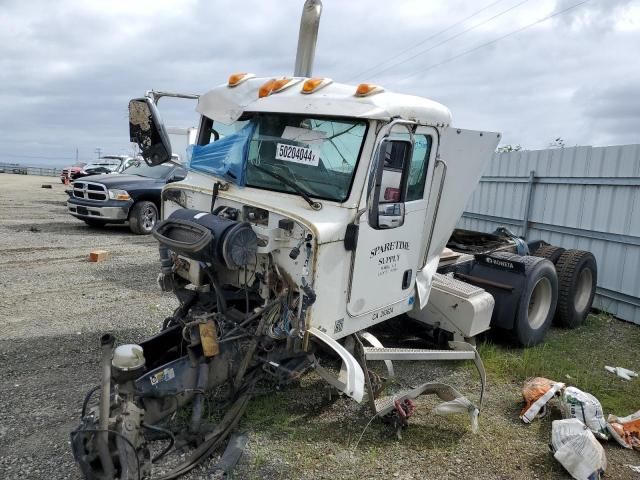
<point x="147" y="131"/>
<point x="390" y="215"/>
<point x="177" y="177"/>
<point x="388" y="180"/>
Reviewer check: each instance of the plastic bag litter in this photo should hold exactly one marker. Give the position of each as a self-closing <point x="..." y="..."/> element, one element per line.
<point x="574" y="403"/>
<point x="459" y="405"/>
<point x="621" y="372"/>
<point x="625" y="430"/>
<point x="577" y="449"/>
<point x="536" y="393"/>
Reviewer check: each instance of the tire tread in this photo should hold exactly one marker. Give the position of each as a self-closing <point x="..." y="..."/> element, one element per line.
<point x="565" y="267"/>
<point x="550" y="252"/>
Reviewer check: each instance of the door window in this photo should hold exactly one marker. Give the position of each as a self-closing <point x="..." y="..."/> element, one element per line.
<point x="395" y="154"/>
<point x="418" y="166"/>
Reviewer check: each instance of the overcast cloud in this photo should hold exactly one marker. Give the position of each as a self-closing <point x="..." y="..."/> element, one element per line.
<point x="68" y="68"/>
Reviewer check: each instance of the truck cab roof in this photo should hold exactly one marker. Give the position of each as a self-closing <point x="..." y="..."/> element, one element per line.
<point x="227" y="103"/>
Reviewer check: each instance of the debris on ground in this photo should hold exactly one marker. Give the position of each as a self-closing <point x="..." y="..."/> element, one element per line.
<point x="98" y="255"/>
<point x="230" y="457"/>
<point x="625" y="430"/>
<point x="621" y="372"/>
<point x="577" y="449"/>
<point x="459" y="405"/>
<point x="574" y="403"/>
<point x="635" y="468"/>
<point x="46" y="185"/>
<point x="536" y="393"/>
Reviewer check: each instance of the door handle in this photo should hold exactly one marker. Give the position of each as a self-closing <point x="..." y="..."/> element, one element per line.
<point x="406" y="279"/>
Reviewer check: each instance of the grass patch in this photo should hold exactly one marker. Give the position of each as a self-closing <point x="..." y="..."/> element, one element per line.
<point x="577" y="358"/>
<point x="269" y="410"/>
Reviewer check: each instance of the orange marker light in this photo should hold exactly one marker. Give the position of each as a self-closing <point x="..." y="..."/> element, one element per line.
<point x="276" y="85"/>
<point x="365" y="89"/>
<point x="281" y="84"/>
<point x="266" y="88"/>
<point x="314" y="84"/>
<point x="236" y="79"/>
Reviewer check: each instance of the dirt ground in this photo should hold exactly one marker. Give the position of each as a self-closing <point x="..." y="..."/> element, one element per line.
<point x="54" y="305"/>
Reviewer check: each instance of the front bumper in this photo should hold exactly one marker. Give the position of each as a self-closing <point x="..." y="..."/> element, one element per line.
<point x="115" y="211"/>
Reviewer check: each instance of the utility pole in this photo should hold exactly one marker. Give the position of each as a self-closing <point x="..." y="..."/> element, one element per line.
<point x="76" y="155"/>
<point x="99" y="152"/>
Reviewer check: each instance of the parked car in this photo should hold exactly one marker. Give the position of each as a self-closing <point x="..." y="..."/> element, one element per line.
<point x="125" y="163"/>
<point x="107" y="164"/>
<point x="73" y="171"/>
<point x="133" y="196"/>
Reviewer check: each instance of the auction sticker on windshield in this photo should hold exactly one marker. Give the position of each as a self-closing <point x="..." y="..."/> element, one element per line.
<point x="292" y="153"/>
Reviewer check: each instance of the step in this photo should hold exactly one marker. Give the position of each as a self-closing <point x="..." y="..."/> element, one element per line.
<point x="374" y="353"/>
<point x="454" y="286"/>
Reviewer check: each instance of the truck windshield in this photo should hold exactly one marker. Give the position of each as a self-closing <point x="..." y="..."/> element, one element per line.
<point x="140" y="168"/>
<point x="318" y="154"/>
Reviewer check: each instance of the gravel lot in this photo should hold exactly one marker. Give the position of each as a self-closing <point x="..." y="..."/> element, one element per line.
<point x="54" y="305"/>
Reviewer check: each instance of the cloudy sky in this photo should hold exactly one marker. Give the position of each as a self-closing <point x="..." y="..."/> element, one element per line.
<point x="69" y="67"/>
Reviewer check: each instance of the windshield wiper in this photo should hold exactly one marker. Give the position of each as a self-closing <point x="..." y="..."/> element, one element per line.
<point x="315" y="205"/>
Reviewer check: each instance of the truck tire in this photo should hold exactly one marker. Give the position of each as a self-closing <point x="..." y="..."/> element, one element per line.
<point x="94" y="223"/>
<point x="537" y="303"/>
<point x="143" y="217"/>
<point x="549" y="252"/>
<point x="577" y="279"/>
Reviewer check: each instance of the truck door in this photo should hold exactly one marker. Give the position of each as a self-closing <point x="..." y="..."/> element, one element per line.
<point x="390" y="244"/>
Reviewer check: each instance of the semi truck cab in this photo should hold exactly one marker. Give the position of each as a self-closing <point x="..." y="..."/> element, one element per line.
<point x="367" y="184"/>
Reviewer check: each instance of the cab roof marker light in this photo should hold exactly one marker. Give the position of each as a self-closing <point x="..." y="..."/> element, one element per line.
<point x="366" y="89"/>
<point x="276" y="85"/>
<point x="312" y="85"/>
<point x="236" y="79"/>
<point x="266" y="88"/>
<point x="284" y="83"/>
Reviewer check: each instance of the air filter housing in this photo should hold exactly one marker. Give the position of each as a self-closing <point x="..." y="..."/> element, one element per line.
<point x="208" y="238"/>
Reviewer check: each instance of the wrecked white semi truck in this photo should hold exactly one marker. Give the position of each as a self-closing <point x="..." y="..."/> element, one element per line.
<point x="312" y="210"/>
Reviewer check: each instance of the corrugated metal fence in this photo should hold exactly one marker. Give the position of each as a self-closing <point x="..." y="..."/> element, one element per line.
<point x="581" y="197"/>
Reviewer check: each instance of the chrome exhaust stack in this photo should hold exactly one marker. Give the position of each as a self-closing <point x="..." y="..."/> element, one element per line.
<point x="307" y="38"/>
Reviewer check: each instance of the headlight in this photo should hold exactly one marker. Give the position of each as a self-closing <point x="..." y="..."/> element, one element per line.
<point x="119" y="195"/>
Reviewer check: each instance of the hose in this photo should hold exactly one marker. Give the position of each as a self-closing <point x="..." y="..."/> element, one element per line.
<point x="222" y="302"/>
<point x="196" y="412"/>
<point x="166" y="264"/>
<point x="213" y="440"/>
<point x="172" y="440"/>
<point x="179" y="313"/>
<point x="87" y="399"/>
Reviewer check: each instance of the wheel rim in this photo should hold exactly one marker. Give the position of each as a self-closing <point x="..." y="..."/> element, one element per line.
<point x="583" y="289"/>
<point x="539" y="303"/>
<point x="148" y="218"/>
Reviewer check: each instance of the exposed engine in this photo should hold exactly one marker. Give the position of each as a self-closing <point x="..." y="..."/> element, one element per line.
<point x="241" y="319"/>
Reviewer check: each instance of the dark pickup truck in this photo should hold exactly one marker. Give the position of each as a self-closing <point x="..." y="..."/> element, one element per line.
<point x="133" y="196"/>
